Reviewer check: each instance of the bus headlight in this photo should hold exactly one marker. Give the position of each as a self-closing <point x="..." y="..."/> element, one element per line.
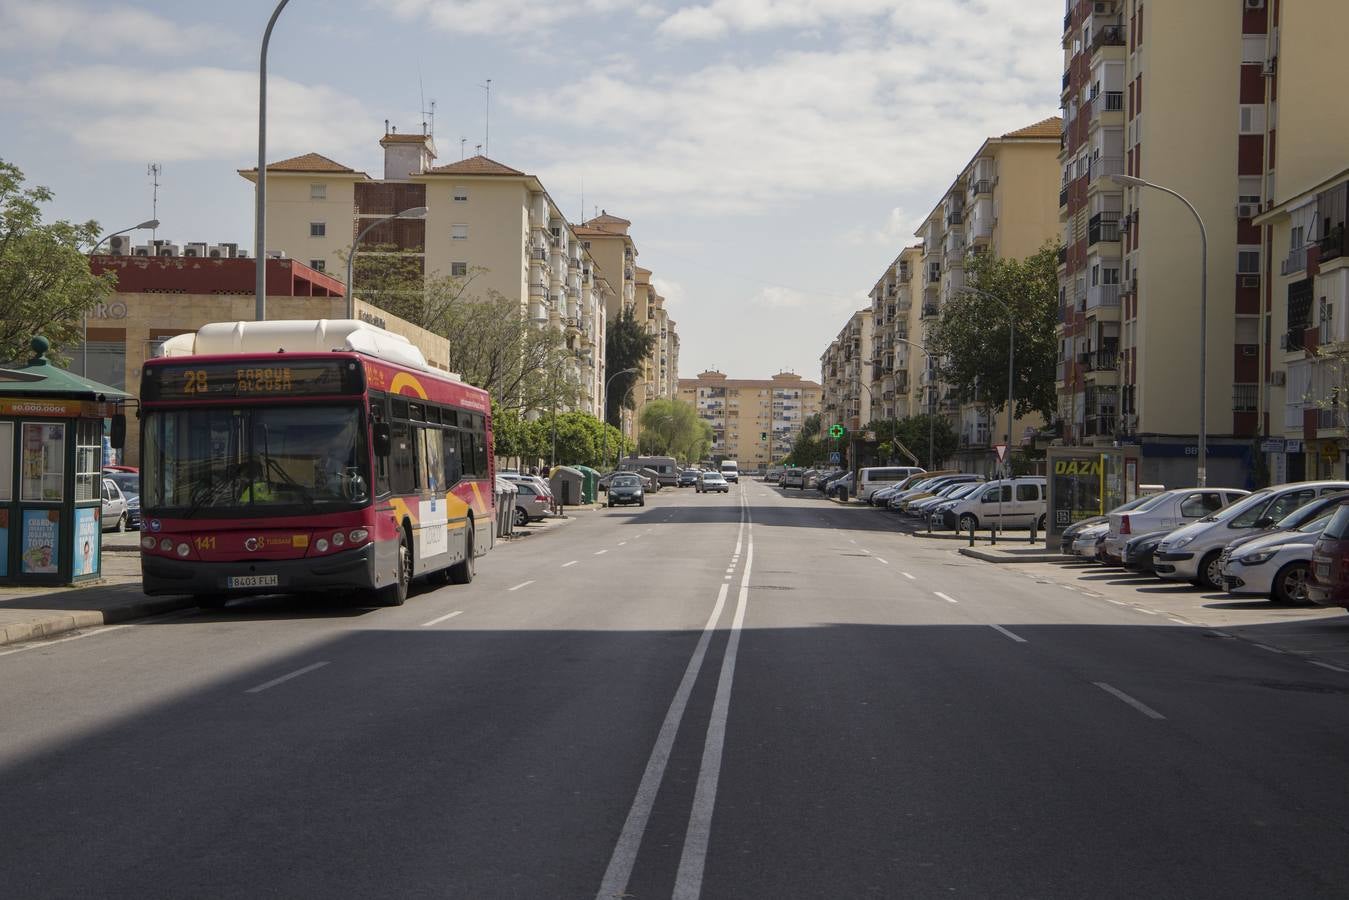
<point x="339" y="539"/>
<point x="184" y="550"/>
<point x="321" y="545"/>
<point x="358" y="534"/>
<point x="166" y="545"/>
<point x="148" y="542"/>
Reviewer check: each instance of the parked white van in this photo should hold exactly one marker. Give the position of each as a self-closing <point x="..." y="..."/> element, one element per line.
<point x="1006" y="503"/>
<point x="872" y="478"/>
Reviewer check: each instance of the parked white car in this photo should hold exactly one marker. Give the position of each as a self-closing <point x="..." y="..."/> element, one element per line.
<point x="1275" y="565"/>
<point x="1006" y="503"/>
<point x="871" y="479"/>
<point x="1088" y="539"/>
<point x="1169" y="509"/>
<point x="1192" y="552"/>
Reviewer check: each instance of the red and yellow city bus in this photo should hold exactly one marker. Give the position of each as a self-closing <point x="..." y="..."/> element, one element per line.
<point x="267" y="469"/>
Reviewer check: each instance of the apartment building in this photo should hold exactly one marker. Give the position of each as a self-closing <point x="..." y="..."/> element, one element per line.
<point x="754" y="421"/>
<point x="1303" y="363"/>
<point x="898" y="366"/>
<point x="846" y="375"/>
<point x="1172" y="93"/>
<point x="483" y="220"/>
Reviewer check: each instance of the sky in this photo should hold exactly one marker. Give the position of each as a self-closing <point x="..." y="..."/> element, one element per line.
<point x="773" y="155"/>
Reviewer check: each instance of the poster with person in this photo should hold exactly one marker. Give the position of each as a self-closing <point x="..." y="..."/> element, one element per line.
<point x="87" y="536"/>
<point x="40" y="551"/>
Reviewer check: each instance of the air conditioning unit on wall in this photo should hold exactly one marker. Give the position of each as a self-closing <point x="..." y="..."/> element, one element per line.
<point x="1278" y="378"/>
<point x="1255" y="4"/>
<point x="1248" y="210"/>
<point x="120" y="245"/>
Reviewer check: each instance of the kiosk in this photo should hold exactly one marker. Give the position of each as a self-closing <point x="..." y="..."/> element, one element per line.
<point x="51" y="471"/>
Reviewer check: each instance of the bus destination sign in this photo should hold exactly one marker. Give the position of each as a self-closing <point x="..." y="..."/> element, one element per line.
<point x="215" y="381"/>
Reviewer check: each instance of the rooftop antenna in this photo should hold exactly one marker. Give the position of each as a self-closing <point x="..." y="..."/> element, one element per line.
<point x="153" y="170"/>
<point x="463" y="142"/>
<point x="583" y="198"/>
<point x="487" y="118"/>
<point x="477" y="148"/>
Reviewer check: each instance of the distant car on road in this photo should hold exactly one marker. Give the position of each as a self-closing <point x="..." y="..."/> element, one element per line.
<point x="115" y="516"/>
<point x="130" y="483"/>
<point x="626" y="488"/>
<point x="793" y="478"/>
<point x="712" y="481"/>
<point x="688" y="478"/>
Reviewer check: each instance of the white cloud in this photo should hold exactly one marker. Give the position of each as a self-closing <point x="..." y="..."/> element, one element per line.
<point x="719" y="18"/>
<point x="671" y="290"/>
<point x="897" y="229"/>
<point x="779" y="298"/>
<point x="101" y="29"/>
<point x="191" y="113"/>
<point x="490" y="17"/>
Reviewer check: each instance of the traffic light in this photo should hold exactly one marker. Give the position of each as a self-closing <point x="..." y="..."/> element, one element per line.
<point x="763" y="435"/>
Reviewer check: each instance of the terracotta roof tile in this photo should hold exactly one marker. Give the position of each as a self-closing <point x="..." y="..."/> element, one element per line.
<point x="606" y="219"/>
<point x="1051" y="127"/>
<point x="475" y="165"/>
<point x="308" y="162"/>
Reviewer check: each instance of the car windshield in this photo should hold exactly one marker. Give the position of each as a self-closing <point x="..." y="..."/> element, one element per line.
<point x="627" y="481"/>
<point x="1251" y="502"/>
<point x="237" y="461"/>
<point x="1143" y="504"/>
<point x="129" y="482"/>
<point x="1318" y="524"/>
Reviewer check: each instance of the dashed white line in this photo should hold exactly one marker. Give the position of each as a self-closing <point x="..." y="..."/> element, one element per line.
<point x="39" y="643"/>
<point x="572" y="563"/>
<point x="946" y="598"/>
<point x="1326" y="665"/>
<point x="1268" y="647"/>
<point x="601" y="552"/>
<point x="457" y="612"/>
<point x="879" y="560"/>
<point x="622" y="543"/>
<point x="1146" y="612"/>
<point x="1003" y="631"/>
<point x="1178" y="621"/>
<point x="1116" y="602"/>
<point x="284" y="678"/>
<point x="521" y="585"/>
<point x="908" y="576"/>
<point x="1136" y="704"/>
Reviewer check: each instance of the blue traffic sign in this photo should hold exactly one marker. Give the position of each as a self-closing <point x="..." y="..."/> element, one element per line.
<point x="836" y="457"/>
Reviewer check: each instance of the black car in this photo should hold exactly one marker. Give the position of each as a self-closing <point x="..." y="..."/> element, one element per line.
<point x="1137" y="553"/>
<point x="626" y="488"/>
<point x="688" y="478"/>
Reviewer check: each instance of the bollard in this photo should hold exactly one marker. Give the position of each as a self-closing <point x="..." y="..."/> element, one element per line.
<point x="993" y="534"/>
<point x="1032" y="531"/>
<point x="971" y="534"/>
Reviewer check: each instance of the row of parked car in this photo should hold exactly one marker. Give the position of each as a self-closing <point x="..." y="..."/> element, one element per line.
<point x="1288" y="542"/>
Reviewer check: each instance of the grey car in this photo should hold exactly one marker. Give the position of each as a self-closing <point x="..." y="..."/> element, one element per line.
<point x="626" y="488"/>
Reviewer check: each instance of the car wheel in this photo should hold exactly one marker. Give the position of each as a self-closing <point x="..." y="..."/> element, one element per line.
<point x="968" y="521"/>
<point x="1290" y="585"/>
<point x="121" y="523"/>
<point x="462" y="572"/>
<point x="396" y="594"/>
<point x="611" y="504"/>
<point x="521" y="517"/>
<point x="1041" y="522"/>
<point x="1210" y="571"/>
<point x="641" y="502"/>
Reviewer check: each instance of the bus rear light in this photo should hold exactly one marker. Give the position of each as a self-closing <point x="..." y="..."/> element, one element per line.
<point x="148" y="542"/>
<point x="184" y="550"/>
<point x="358" y="535"/>
<point x="321" y="545"/>
<point x="339" y="538"/>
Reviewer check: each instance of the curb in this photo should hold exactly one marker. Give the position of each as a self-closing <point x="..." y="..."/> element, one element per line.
<point x="51" y="625"/>
<point x="1001" y="556"/>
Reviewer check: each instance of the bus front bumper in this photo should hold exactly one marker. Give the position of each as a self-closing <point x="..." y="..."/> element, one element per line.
<point x="352" y="570"/>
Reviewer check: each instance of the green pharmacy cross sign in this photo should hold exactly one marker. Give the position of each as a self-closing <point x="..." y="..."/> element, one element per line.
<point x="837" y="431"/>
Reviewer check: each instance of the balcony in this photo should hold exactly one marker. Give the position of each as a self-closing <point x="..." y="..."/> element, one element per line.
<point x="1296" y="261"/>
<point x="1103" y="229"/>
<point x="1063" y="197"/>
<point x="1106" y="359"/>
<point x="955" y="217"/>
<point x="1063" y="256"/>
<point x="929" y="310"/>
<point x="1067" y="79"/>
<point x="1107" y="101"/>
<point x="1099" y="425"/>
<point x="1061" y="371"/>
<point x="982" y="186"/>
<point x="1104" y="167"/>
<point x="1109" y="36"/>
<point x="1295" y="338"/>
<point x="1334" y="245"/>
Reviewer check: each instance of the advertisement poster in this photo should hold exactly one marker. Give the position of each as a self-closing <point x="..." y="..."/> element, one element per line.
<point x="4" y="542"/>
<point x="434" y="533"/>
<point x="86" y="541"/>
<point x="42" y="461"/>
<point x="40" y="549"/>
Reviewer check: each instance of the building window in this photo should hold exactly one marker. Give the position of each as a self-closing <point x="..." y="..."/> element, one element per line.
<point x="458" y="269"/>
<point x="318" y="229"/>
<point x="1252" y="119"/>
<point x="317" y="265"/>
<point x="1244" y="397"/>
<point x="318" y="192"/>
<point x="1248" y="262"/>
<point x="459" y="232"/>
<point x="460" y="193"/>
<point x="1110" y="276"/>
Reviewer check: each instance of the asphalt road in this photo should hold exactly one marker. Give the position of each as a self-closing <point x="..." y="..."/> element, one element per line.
<point x="743" y="695"/>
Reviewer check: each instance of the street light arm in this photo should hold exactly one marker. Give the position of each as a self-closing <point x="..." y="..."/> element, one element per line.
<point x="416" y="212"/>
<point x="260" y="201"/>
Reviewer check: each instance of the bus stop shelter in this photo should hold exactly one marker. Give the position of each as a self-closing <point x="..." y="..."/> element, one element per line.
<point x="51" y="471"/>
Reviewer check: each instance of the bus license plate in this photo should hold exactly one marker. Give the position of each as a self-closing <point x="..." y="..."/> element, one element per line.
<point x="252" y="581"/>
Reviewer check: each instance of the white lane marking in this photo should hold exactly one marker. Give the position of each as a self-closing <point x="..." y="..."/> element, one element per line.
<point x="566" y="564"/>
<point x="601" y="552"/>
<point x="38" y="643"/>
<point x="1326" y="665"/>
<point x="1136" y="704"/>
<point x="908" y="576"/>
<point x="457" y="612"/>
<point x="726" y="578"/>
<point x="851" y="541"/>
<point x="1068" y="587"/>
<point x="622" y="543"/>
<point x="1178" y="621"/>
<point x="619" y="870"/>
<point x="521" y="585"/>
<point x="1267" y="647"/>
<point x="1116" y="602"/>
<point x="1016" y="637"/>
<point x="1146" y="612"/>
<point x="284" y="678"/>
<point x="689" y="877"/>
<point x="879" y="560"/>
<point x="946" y="598"/>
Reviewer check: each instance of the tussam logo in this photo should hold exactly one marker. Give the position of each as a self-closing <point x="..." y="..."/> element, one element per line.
<point x="1077" y="467"/>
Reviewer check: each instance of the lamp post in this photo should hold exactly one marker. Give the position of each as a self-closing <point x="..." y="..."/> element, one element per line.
<point x="604" y="440"/>
<point x="931" y="412"/>
<point x="1011" y="365"/>
<point x="260" y="201"/>
<point x="416" y="212"/>
<point x="149" y="224"/>
<point x="1201" y="479"/>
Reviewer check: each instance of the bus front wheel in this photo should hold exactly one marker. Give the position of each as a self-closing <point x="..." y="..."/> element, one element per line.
<point x="396" y="594"/>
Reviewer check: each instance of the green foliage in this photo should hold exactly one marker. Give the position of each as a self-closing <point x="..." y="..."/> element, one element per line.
<point x="970" y="340"/>
<point x="626" y="344"/>
<point x="580" y="439"/>
<point x="673" y="428"/>
<point x="811" y="445"/>
<point x="45" y="283"/>
<point x="914" y="432"/>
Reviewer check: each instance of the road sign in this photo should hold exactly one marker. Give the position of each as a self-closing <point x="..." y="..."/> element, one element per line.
<point x="837" y="431"/>
<point x="1002" y="452"/>
<point x="835" y="458"/>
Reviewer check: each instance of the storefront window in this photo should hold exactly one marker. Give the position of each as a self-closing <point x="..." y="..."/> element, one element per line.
<point x="88" y="450"/>
<point x="42" y="461"/>
<point x="6" y="463"/>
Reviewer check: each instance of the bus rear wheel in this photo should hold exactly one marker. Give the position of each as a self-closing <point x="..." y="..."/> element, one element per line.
<point x="462" y="572"/>
<point x="396" y="594"/>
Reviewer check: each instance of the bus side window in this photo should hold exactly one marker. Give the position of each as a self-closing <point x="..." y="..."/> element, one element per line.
<point x="452" y="467"/>
<point x="466" y="457"/>
<point x="403" y="462"/>
<point x="430" y="469"/>
<point x="480" y="453"/>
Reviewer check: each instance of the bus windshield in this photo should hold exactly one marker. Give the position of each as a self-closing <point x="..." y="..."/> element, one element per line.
<point x="252" y="460"/>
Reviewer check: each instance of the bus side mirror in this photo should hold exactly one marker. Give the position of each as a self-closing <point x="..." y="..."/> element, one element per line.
<point x="118" y="436"/>
<point x="383" y="439"/>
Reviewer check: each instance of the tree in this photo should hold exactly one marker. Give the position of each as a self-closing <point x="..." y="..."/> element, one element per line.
<point x="45" y="283"/>
<point x="970" y="340"/>
<point x="914" y="432"/>
<point x="626" y="344"/>
<point x="673" y="428"/>
<point x="809" y="447"/>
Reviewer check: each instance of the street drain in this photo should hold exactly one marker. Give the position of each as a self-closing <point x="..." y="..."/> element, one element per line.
<point x="771" y="587"/>
<point x="854" y="554"/>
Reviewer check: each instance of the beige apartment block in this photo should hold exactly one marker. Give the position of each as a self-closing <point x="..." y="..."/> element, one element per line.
<point x="1303" y="372"/>
<point x="1177" y="97"/>
<point x="896" y="364"/>
<point x="485" y="221"/>
<point x="1001" y="203"/>
<point x="846" y="371"/>
<point x="754" y="421"/>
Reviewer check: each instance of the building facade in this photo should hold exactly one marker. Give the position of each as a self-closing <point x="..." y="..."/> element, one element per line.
<point x="846" y="375"/>
<point x="754" y="421"/>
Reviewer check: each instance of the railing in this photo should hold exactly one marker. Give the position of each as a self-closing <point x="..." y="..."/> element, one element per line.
<point x="929" y="309"/>
<point x="1099" y="424"/>
<point x="1110" y="36"/>
<point x="1295" y="338"/>
<point x="1068" y="20"/>
<point x="1296" y="261"/>
<point x="1105" y="359"/>
<point x="1061" y="371"/>
<point x="1067" y="79"/>
<point x="1102" y="295"/>
<point x="1329" y="418"/>
<point x="1063" y="256"/>
<point x="955" y="217"/>
<point x="1063" y="197"/>
<point x="1099" y="229"/>
<point x="1105" y="166"/>
<point x="1107" y="101"/>
<point x="1333" y="245"/>
<point x="981" y="186"/>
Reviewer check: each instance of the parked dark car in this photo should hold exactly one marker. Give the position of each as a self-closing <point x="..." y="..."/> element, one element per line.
<point x="1138" y="550"/>
<point x="1070" y="534"/>
<point x="1328" y="584"/>
<point x="626" y="489"/>
<point x="688" y="478"/>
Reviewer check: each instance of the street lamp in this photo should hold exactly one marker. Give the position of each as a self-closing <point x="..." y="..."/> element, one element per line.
<point x="416" y="212"/>
<point x="931" y="415"/>
<point x="149" y="224"/>
<point x="260" y="200"/>
<point x="1011" y="364"/>
<point x="604" y="440"/>
<point x="1201" y="478"/>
